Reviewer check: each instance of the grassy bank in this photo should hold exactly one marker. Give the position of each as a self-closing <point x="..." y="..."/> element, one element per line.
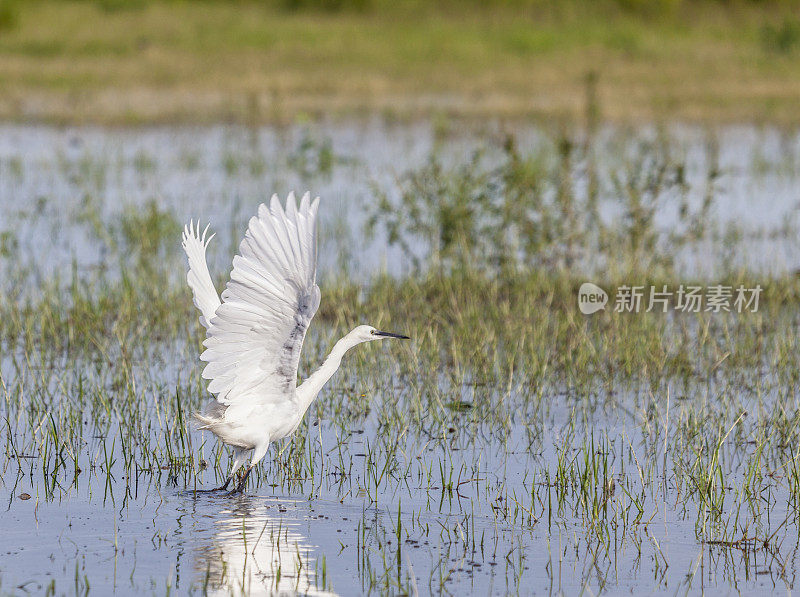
<point x="134" y="62"/>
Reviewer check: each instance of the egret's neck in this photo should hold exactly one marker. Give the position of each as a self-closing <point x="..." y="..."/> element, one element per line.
<point x="308" y="390"/>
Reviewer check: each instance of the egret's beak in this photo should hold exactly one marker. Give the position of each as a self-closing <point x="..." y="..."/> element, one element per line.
<point x="389" y="335"/>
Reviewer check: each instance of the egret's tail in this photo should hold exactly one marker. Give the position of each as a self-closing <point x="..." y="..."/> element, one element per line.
<point x="211" y="416"/>
<point x="205" y="295"/>
<point x="204" y="422"/>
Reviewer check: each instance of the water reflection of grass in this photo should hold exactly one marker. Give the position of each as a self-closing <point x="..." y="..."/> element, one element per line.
<point x="165" y="61"/>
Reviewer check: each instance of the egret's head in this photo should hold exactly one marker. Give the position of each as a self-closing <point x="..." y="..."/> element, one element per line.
<point x="367" y="333"/>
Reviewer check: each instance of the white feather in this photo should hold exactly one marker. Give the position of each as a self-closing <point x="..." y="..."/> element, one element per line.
<point x="254" y="339"/>
<point x="205" y="295"/>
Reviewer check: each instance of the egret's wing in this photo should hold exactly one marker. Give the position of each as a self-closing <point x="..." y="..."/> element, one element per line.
<point x="253" y="344"/>
<point x="205" y="295"/>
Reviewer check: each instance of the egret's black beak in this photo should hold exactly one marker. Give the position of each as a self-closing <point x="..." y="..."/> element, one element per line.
<point x="389" y="335"/>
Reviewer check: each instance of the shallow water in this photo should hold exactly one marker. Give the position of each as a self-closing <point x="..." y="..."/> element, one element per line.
<point x="53" y="180"/>
<point x="375" y="496"/>
<point x="144" y="534"/>
<point x="455" y="506"/>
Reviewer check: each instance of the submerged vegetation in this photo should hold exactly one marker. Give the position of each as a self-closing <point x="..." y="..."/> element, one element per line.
<point x="512" y="435"/>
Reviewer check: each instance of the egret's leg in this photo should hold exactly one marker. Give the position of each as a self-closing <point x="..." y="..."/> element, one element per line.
<point x="239" y="458"/>
<point x="240" y="486"/>
<point x="258" y="454"/>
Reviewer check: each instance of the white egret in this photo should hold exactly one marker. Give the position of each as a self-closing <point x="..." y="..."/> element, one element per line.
<point x="255" y="333"/>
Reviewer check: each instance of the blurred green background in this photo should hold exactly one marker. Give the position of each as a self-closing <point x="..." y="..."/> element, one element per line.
<point x="143" y="61"/>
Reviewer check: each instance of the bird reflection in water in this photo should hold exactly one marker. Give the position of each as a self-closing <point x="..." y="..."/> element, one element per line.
<point x="256" y="551"/>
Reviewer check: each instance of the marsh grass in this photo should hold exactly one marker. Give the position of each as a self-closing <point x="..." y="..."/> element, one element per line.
<point x="524" y="212"/>
<point x="509" y="416"/>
